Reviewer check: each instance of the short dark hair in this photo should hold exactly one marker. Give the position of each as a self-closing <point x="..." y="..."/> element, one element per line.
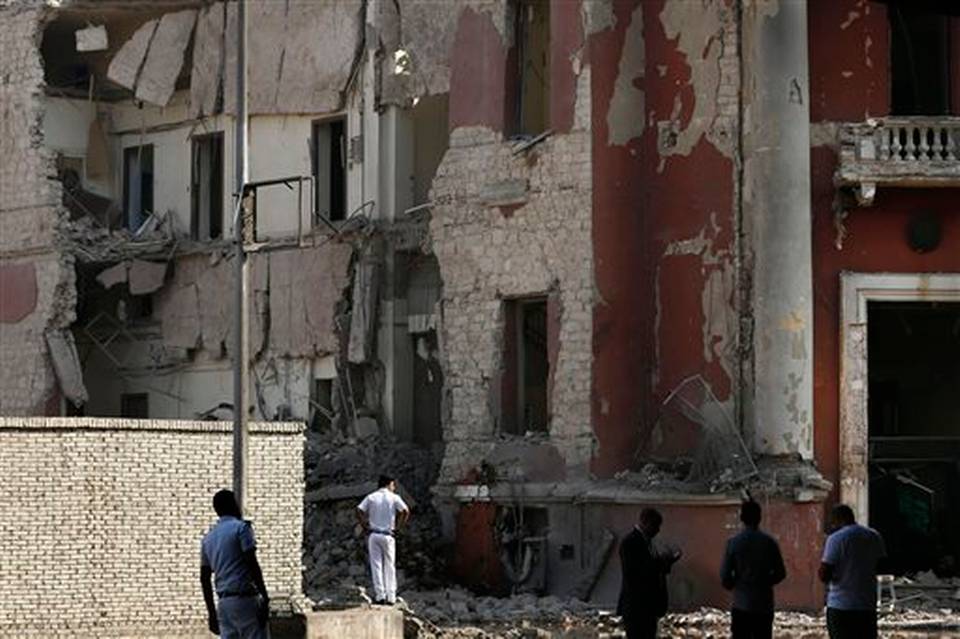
<point x="751" y="513"/>
<point x="844" y="513"/>
<point x="384" y="481"/>
<point x="651" y="516"/>
<point x="225" y="503"/>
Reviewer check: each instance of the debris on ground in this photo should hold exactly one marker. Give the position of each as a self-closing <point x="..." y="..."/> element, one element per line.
<point x="339" y="471"/>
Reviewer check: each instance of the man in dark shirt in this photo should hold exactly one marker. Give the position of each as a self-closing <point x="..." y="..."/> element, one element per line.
<point x="643" y="592"/>
<point x="752" y="566"/>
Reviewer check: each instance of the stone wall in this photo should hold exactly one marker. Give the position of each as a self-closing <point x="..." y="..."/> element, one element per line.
<point x="101" y="521"/>
<point x="36" y="280"/>
<point x="508" y="225"/>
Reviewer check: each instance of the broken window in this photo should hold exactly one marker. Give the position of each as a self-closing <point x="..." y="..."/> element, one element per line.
<point x="137" y="185"/>
<point x="532" y="75"/>
<point x="919" y="62"/>
<point x="913" y="363"/>
<point x="526" y="366"/>
<point x="206" y="187"/>
<point x="330" y="168"/>
<point x="135" y="405"/>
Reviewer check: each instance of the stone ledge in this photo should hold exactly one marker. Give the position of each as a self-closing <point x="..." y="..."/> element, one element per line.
<point x="107" y="424"/>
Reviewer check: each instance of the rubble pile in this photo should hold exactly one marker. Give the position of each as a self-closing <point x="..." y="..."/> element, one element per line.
<point x="339" y="472"/>
<point x="453" y="614"/>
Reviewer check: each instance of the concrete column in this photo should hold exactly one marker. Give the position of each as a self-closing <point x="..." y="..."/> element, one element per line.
<point x="394" y="343"/>
<point x="776" y="218"/>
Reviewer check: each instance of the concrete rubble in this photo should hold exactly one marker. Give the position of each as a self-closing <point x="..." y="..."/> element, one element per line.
<point x="339" y="472"/>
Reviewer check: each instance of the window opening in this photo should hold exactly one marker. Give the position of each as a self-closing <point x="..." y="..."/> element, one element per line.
<point x="532" y="37"/>
<point x="919" y="62"/>
<point x="135" y="405"/>
<point x="330" y="168"/>
<point x="913" y="366"/>
<point x="526" y="366"/>
<point x="137" y="185"/>
<point x="206" y="187"/>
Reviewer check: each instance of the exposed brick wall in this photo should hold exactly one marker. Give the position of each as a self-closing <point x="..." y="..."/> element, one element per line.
<point x="488" y="252"/>
<point x="29" y="215"/>
<point x="101" y="521"/>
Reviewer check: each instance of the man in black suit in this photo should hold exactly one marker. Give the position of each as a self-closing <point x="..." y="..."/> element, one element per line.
<point x="643" y="591"/>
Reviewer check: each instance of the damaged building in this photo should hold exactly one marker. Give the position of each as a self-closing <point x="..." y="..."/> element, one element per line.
<point x="595" y="255"/>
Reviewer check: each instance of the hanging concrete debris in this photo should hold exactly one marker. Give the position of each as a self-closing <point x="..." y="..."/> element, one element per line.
<point x="66" y="365"/>
<point x="164" y="60"/>
<point x="364" y="315"/>
<point x="125" y="65"/>
<point x="92" y="38"/>
<point x="146" y="277"/>
<point x="206" y="77"/>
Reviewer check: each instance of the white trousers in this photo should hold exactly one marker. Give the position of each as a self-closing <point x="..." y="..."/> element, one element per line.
<point x="382" y="569"/>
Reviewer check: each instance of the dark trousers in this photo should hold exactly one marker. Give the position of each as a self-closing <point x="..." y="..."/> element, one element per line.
<point x="851" y="624"/>
<point x="640" y="626"/>
<point x="751" y="625"/>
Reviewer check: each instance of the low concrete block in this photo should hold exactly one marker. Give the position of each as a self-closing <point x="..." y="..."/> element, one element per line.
<point x="356" y="623"/>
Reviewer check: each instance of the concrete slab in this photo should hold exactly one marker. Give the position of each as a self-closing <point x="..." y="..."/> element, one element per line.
<point x="356" y="623"/>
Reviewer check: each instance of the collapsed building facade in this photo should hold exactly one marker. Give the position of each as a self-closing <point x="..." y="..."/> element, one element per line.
<point x="598" y="254"/>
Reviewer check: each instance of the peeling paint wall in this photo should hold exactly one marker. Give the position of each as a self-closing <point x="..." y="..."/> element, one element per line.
<point x="665" y="110"/>
<point x="36" y="279"/>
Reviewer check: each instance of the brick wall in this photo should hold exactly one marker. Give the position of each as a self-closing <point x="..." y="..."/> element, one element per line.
<point x="490" y="251"/>
<point x="101" y="521"/>
<point x="36" y="279"/>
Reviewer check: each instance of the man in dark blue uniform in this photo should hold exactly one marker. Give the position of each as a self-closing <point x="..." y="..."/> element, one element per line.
<point x="229" y="551"/>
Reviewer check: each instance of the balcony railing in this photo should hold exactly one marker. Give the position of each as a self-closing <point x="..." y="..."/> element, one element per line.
<point x="900" y="152"/>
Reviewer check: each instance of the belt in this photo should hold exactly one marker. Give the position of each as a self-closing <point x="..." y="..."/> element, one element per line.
<point x="237" y="593"/>
<point x="381" y="532"/>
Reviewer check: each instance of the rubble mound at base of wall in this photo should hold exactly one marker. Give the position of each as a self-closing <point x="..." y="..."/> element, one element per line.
<point x="526" y="617"/>
<point x="339" y="472"/>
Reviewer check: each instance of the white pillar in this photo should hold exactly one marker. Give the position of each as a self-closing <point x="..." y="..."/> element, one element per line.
<point x="777" y="220"/>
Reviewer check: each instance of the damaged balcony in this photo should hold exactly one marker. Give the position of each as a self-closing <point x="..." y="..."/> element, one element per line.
<point x="901" y="152"/>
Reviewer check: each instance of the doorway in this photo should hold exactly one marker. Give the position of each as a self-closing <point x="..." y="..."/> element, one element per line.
<point x="900" y="413"/>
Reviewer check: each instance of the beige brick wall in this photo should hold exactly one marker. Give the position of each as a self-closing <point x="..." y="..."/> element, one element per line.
<point x="487" y="254"/>
<point x="101" y="521"/>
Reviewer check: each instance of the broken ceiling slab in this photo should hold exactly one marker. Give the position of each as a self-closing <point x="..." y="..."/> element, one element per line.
<point x="146" y="277"/>
<point x="125" y="65"/>
<point x="66" y="365"/>
<point x="291" y="70"/>
<point x="305" y="286"/>
<point x="110" y="277"/>
<point x="206" y="74"/>
<point x="363" y="316"/>
<point x="158" y="77"/>
<point x="93" y="38"/>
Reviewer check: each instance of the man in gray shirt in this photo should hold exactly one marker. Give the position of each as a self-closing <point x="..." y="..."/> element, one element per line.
<point x="752" y="566"/>
<point x="229" y="551"/>
<point x="849" y="566"/>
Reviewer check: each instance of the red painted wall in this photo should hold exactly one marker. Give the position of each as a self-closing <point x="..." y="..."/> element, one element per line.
<point x="642" y="203"/>
<point x="18" y="292"/>
<point x="844" y="31"/>
<point x="477" y="73"/>
<point x="701" y="532"/>
<point x="475" y="561"/>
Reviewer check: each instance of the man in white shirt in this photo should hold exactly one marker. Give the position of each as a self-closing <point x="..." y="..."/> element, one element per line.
<point x="377" y="513"/>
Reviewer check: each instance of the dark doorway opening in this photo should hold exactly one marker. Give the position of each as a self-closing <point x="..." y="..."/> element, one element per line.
<point x="526" y="366"/>
<point x="913" y="351"/>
